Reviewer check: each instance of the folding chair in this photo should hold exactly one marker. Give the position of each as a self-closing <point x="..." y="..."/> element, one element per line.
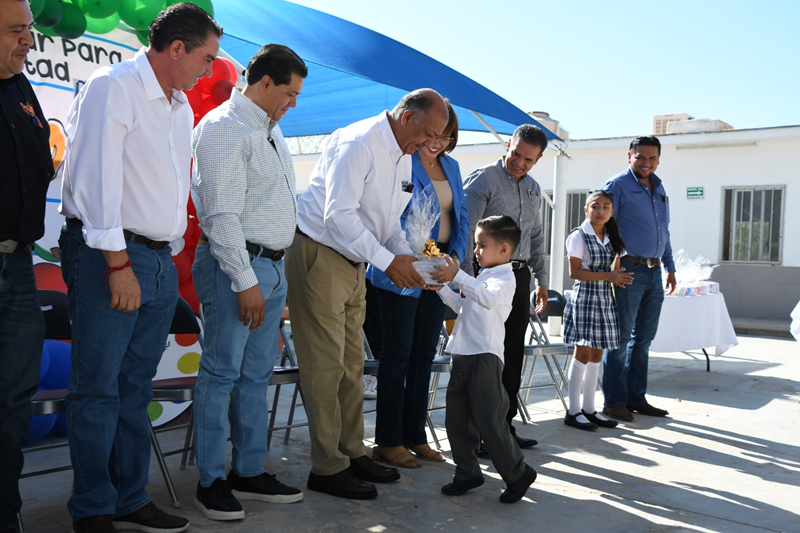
<point x="539" y="345"/>
<point x="441" y="363"/>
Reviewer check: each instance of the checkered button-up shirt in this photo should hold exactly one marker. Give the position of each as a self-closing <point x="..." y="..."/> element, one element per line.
<point x="242" y="186"/>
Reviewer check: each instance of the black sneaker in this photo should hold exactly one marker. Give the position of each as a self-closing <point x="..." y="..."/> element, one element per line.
<point x="150" y="519"/>
<point x="217" y="503"/>
<point x="264" y="488"/>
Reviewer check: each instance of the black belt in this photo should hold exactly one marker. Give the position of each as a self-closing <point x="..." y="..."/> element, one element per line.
<point x="133" y="237"/>
<point x="649" y="263"/>
<point x="255" y="249"/>
<point x="518" y="264"/>
<point x="354" y="264"/>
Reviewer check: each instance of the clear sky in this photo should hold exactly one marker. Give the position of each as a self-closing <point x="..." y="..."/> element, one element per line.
<point x="604" y="68"/>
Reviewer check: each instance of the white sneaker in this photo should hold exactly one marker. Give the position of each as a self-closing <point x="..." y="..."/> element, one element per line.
<point x="370" y="388"/>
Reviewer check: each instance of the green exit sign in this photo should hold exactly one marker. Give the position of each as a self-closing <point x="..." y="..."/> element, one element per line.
<point x="694" y="193"/>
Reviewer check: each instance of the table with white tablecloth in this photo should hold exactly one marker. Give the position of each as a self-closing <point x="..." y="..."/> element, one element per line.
<point x="694" y="323"/>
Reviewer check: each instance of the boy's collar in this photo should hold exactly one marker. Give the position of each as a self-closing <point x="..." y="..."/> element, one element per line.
<point x="498" y="268"/>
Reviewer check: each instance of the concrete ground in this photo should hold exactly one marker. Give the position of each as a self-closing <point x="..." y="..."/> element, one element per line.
<point x="725" y="460"/>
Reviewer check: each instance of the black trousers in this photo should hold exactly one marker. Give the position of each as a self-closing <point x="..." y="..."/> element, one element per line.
<point x="516" y="327"/>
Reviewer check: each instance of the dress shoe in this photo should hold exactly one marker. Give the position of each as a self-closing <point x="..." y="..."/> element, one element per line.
<point x="461" y="486"/>
<point x="618" y="411"/>
<point x="602" y="422"/>
<point x="366" y="469"/>
<point x="572" y="420"/>
<point x="342" y="485"/>
<point x="647" y="409"/>
<point x="515" y="491"/>
<point x="523" y="443"/>
<point x="150" y="519"/>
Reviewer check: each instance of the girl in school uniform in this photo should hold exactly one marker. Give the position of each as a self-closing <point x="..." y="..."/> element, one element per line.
<point x="590" y="316"/>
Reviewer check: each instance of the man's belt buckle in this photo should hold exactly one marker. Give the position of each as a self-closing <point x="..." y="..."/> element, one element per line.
<point x="8" y="246"/>
<point x="652" y="263"/>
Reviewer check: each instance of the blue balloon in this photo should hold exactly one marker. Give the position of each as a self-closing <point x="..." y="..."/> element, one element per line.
<point x="57" y="375"/>
<point x="45" y="362"/>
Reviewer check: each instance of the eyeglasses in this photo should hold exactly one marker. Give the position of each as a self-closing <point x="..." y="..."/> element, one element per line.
<point x="443" y="140"/>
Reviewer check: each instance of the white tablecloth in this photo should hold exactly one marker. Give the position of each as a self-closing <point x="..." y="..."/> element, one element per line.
<point x="693" y="323"/>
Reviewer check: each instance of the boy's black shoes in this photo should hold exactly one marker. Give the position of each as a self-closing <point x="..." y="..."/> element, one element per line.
<point x="523" y="443"/>
<point x="515" y="491"/>
<point x="460" y="486"/>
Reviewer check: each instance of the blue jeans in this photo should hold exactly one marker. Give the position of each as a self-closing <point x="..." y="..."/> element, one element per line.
<point x="411" y="328"/>
<point x="236" y="362"/>
<point x="21" y="338"/>
<point x="115" y="356"/>
<point x="639" y="307"/>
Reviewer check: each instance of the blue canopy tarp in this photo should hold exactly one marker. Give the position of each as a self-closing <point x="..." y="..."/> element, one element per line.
<point x="354" y="72"/>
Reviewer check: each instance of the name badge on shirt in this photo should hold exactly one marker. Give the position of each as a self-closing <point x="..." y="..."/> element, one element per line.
<point x="407" y="186"/>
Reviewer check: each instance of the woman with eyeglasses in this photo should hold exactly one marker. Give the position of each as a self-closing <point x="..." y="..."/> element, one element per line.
<point x="411" y="319"/>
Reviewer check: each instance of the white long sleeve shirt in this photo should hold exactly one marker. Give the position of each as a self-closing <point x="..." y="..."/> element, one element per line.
<point x="480" y="327"/>
<point x="128" y="157"/>
<point x="355" y="197"/>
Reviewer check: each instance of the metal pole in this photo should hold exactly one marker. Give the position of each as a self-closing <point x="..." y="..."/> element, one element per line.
<point x="559" y="222"/>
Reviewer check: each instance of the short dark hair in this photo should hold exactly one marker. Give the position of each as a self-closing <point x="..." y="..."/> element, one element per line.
<point x="501" y="228"/>
<point x="276" y="61"/>
<point x="451" y="130"/>
<point x="645" y="140"/>
<point x="182" y="22"/>
<point x="531" y="135"/>
<point x="418" y="102"/>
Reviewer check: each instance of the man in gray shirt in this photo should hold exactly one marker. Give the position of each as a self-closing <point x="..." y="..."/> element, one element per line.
<point x="505" y="188"/>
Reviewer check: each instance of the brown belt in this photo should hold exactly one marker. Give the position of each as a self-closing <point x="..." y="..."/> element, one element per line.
<point x="255" y="249"/>
<point x="131" y="236"/>
<point x="354" y="264"/>
<point x="649" y="263"/>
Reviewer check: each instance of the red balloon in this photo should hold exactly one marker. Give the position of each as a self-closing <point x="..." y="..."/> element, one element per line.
<point x="184" y="265"/>
<point x="220" y="71"/>
<point x="235" y="74"/>
<point x="221" y="91"/>
<point x="48" y="277"/>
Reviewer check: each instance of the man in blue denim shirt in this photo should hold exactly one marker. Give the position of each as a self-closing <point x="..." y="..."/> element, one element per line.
<point x="642" y="212"/>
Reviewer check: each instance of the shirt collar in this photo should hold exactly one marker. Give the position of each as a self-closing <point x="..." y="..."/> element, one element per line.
<point x="501" y="164"/>
<point x="148" y="76"/>
<point x="388" y="136"/>
<point x="498" y="268"/>
<point x="251" y="111"/>
<point x="587" y="228"/>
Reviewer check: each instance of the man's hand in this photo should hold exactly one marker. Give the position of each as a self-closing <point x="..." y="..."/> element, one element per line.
<point x="126" y="295"/>
<point x="541" y="298"/>
<point x="671" y="283"/>
<point x="402" y="272"/>
<point x="251" y="307"/>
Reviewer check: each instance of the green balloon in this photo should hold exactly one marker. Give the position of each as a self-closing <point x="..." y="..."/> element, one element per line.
<point x="51" y="14"/>
<point x="45" y="31"/>
<point x="99" y="9"/>
<point x="73" y="22"/>
<point x="143" y="35"/>
<point x="36" y="7"/>
<point x="139" y="14"/>
<point x="205" y="5"/>
<point x="101" y="26"/>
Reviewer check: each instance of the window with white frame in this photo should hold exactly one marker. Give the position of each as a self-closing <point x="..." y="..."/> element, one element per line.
<point x="751" y="228"/>
<point x="575" y="216"/>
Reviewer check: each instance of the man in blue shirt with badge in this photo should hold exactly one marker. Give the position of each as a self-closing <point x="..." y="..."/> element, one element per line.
<point x="641" y="208"/>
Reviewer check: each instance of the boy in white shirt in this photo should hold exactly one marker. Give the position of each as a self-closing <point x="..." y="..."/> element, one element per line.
<point x="476" y="399"/>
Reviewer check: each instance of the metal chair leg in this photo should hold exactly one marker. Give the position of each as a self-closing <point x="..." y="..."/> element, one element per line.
<point x="163" y="465"/>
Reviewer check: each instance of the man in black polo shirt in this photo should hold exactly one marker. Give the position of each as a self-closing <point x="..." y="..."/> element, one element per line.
<point x="27" y="170"/>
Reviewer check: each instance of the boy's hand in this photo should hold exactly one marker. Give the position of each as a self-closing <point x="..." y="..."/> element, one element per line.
<point x="444" y="275"/>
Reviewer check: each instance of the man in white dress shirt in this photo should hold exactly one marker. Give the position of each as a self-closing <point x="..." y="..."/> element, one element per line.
<point x="348" y="216"/>
<point x="126" y="184"/>
<point x="244" y="191"/>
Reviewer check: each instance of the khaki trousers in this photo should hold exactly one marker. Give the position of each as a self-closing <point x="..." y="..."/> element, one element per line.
<point x="327" y="307"/>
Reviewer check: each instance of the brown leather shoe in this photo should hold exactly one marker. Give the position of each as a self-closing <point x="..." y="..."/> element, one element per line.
<point x="647" y="409"/>
<point x="94" y="524"/>
<point x="151" y="519"/>
<point x="618" y="411"/>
